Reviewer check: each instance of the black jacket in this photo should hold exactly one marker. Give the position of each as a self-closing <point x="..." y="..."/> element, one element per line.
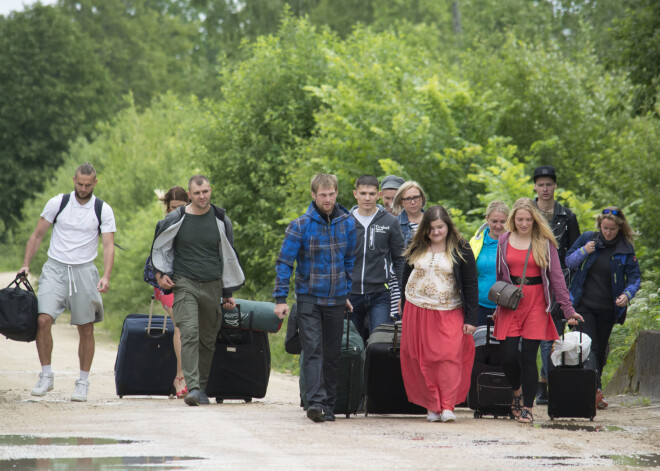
<point x="565" y="227"/>
<point x="465" y="273"/>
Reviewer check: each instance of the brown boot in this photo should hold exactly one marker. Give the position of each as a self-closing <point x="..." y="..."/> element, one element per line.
<point x="600" y="400"/>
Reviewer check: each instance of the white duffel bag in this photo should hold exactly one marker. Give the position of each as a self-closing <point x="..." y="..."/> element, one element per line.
<point x="571" y="345"/>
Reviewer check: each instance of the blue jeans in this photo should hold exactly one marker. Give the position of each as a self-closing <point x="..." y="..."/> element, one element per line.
<point x="375" y="306"/>
<point x="546" y="348"/>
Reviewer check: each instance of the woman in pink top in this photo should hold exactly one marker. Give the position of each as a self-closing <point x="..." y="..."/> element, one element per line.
<point x="173" y="199"/>
<point x="531" y="322"/>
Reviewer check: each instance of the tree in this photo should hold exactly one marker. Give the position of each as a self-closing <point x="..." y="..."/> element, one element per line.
<point x="53" y="90"/>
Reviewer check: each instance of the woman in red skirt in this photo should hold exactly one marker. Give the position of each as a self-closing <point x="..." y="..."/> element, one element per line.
<point x="527" y="230"/>
<point x="441" y="301"/>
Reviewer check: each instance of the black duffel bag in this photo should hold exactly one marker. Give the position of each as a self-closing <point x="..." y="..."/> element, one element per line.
<point x="18" y="311"/>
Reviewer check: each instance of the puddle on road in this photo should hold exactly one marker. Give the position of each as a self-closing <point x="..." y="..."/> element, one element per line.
<point x="154" y="463"/>
<point x="24" y="440"/>
<point x="581" y="427"/>
<point x="646" y="461"/>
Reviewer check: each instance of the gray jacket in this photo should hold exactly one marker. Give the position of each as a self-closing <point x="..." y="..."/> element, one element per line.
<point x="378" y="247"/>
<point x="162" y="248"/>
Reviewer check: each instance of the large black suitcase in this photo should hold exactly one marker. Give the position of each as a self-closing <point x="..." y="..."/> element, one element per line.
<point x="350" y="384"/>
<point x="384" y="390"/>
<point x="241" y="364"/>
<point x="572" y="389"/>
<point x="490" y="391"/>
<point x="146" y="363"/>
<point x="18" y="311"/>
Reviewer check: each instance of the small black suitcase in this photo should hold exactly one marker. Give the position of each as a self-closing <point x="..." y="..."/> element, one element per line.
<point x="350" y="384"/>
<point x="241" y="364"/>
<point x="572" y="389"/>
<point x="384" y="390"/>
<point x="490" y="391"/>
<point x="146" y="363"/>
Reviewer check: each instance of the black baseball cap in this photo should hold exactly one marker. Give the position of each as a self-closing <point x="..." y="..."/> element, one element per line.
<point x="545" y="171"/>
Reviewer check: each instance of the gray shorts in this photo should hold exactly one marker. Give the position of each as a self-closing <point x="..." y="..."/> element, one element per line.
<point x="71" y="287"/>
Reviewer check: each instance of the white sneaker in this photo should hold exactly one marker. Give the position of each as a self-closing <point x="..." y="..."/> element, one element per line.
<point x="432" y="416"/>
<point x="447" y="416"/>
<point x="80" y="391"/>
<point x="45" y="384"/>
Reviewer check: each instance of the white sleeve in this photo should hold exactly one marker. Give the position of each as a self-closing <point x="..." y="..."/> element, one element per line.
<point x="51" y="208"/>
<point x="107" y="219"/>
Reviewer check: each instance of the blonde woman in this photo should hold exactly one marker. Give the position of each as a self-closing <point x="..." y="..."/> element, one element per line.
<point x="607" y="277"/>
<point x="409" y="204"/>
<point x="484" y="247"/>
<point x="441" y="299"/>
<point x="531" y="321"/>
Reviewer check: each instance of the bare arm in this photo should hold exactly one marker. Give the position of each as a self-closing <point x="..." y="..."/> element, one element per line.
<point x="108" y="260"/>
<point x="33" y="244"/>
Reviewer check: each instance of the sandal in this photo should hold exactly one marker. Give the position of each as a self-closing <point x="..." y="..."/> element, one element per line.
<point x="516" y="406"/>
<point x="180" y="392"/>
<point x="526" y="417"/>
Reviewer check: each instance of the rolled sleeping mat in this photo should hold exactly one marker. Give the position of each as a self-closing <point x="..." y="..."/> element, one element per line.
<point x="263" y="316"/>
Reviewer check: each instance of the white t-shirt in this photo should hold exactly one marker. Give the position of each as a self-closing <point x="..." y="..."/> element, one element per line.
<point x="75" y="237"/>
<point x="364" y="220"/>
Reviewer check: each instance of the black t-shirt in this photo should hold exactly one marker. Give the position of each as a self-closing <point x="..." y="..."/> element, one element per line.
<point x="597" y="293"/>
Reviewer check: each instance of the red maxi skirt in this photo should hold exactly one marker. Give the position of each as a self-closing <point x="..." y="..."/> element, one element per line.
<point x="436" y="357"/>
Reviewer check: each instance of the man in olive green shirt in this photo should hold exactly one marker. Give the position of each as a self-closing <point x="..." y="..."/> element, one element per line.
<point x="193" y="255"/>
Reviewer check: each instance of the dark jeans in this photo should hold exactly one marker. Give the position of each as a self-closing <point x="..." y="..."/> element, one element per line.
<point x="546" y="348"/>
<point x="483" y="314"/>
<point x="520" y="366"/>
<point x="598" y="325"/>
<point x="374" y="306"/>
<point x="321" y="329"/>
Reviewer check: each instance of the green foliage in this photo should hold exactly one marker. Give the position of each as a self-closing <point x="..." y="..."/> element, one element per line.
<point x="53" y="90"/>
<point x="643" y="314"/>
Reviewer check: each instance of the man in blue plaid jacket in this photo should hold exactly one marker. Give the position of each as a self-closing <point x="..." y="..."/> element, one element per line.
<point x="322" y="243"/>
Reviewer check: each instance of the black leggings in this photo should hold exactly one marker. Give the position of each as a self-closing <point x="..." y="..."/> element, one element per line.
<point x="520" y="366"/>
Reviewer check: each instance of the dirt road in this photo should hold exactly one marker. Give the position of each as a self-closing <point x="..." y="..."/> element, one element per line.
<point x="273" y="433"/>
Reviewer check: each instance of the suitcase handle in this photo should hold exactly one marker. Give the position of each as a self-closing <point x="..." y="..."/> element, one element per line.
<point x="348" y="327"/>
<point x="147" y="330"/>
<point x="489" y="324"/>
<point x="397" y="327"/>
<point x="563" y="354"/>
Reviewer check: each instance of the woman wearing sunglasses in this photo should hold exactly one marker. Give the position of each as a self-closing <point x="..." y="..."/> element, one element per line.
<point x="409" y="204"/>
<point x="607" y="277"/>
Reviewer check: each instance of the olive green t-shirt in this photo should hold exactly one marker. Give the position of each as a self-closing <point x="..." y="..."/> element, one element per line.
<point x="197" y="248"/>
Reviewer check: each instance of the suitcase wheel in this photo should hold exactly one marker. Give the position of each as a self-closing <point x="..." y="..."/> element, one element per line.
<point x="219" y="400"/>
<point x="591" y="418"/>
<point x="478" y="415"/>
<point x="552" y="417"/>
<point x="247" y="399"/>
<point x="348" y="415"/>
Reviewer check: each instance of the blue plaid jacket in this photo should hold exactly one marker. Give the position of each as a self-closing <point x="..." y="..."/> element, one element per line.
<point x="324" y="254"/>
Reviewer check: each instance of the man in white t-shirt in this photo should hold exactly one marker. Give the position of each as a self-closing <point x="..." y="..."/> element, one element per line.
<point x="69" y="279"/>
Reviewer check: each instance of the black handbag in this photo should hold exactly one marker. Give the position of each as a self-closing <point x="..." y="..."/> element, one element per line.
<point x="506" y="294"/>
<point x="19" y="311"/>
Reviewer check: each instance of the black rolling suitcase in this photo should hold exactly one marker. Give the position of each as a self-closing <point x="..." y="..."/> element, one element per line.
<point x="350" y="384"/>
<point x="384" y="390"/>
<point x="572" y="389"/>
<point x="490" y="391"/>
<point x="241" y="364"/>
<point x="146" y="363"/>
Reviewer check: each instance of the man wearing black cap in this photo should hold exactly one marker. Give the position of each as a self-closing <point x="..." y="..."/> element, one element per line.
<point x="388" y="188"/>
<point x="565" y="227"/>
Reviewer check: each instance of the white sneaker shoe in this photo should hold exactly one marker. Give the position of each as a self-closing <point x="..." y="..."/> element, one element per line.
<point x="447" y="416"/>
<point x="432" y="416"/>
<point x="45" y="384"/>
<point x="80" y="391"/>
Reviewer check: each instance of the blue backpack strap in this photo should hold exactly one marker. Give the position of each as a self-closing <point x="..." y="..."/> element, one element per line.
<point x="65" y="201"/>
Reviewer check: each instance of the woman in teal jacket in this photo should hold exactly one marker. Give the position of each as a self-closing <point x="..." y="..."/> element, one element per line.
<point x="607" y="277"/>
<point x="484" y="247"/>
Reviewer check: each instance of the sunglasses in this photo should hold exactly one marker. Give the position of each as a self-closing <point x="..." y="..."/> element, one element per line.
<point x="614" y="212"/>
